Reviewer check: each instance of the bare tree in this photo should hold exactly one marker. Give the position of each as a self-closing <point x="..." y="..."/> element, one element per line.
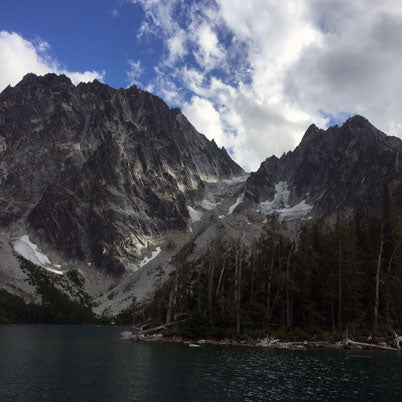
<point x="288" y="307"/>
<point x="340" y="296"/>
<point x="377" y="282"/>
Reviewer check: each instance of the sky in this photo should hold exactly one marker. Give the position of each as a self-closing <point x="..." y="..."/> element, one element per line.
<point x="253" y="75"/>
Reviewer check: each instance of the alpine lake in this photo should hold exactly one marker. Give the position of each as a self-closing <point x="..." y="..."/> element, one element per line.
<point x="89" y="363"/>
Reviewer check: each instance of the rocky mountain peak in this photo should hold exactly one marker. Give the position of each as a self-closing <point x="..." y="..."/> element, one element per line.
<point x="98" y="173"/>
<point x="339" y="169"/>
<point x="50" y="79"/>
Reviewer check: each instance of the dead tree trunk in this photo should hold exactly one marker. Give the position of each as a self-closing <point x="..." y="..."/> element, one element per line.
<point x="220" y="277"/>
<point x="238" y="298"/>
<point x="172" y="297"/>
<point x="377" y="285"/>
<point x="340" y="296"/>
<point x="333" y="315"/>
<point x="252" y="274"/>
<point x="210" y="280"/>
<point x="269" y="289"/>
<point x="288" y="312"/>
<point x="238" y="268"/>
<point x="170" y="306"/>
<point x="268" y="298"/>
<point x="199" y="293"/>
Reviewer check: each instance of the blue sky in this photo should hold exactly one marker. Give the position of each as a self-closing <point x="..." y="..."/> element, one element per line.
<point x="253" y="74"/>
<point x="85" y="35"/>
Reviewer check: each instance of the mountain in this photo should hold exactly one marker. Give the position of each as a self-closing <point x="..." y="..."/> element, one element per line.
<point x="116" y="186"/>
<point x="341" y="169"/>
<point x="97" y="173"/>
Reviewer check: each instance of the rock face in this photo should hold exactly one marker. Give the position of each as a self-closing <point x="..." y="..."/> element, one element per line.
<point x="96" y="172"/>
<point x="336" y="170"/>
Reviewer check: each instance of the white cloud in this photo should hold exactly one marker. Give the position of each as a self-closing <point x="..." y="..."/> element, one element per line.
<point x="41" y="45"/>
<point x="208" y="53"/>
<point x="202" y="113"/>
<point x="160" y="17"/>
<point x="176" y="46"/>
<point x="254" y="74"/>
<point x="19" y="56"/>
<point x="134" y="73"/>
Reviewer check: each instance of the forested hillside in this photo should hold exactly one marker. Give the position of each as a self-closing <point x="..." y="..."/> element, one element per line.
<point x="339" y="275"/>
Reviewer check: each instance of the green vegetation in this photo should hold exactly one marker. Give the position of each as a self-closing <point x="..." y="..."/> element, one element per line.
<point x="55" y="308"/>
<point x="344" y="275"/>
<point x="75" y="277"/>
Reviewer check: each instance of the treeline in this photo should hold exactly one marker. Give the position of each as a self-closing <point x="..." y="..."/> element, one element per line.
<point x="334" y="275"/>
<point x="55" y="307"/>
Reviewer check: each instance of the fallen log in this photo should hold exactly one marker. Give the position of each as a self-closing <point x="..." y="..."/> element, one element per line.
<point x="138" y="333"/>
<point x="348" y="342"/>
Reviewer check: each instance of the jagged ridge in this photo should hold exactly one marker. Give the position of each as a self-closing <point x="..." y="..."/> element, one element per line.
<point x="340" y="169"/>
<point x="96" y="171"/>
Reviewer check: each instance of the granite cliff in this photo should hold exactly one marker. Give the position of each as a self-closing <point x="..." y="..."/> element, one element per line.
<point x="97" y="172"/>
<point x="115" y="184"/>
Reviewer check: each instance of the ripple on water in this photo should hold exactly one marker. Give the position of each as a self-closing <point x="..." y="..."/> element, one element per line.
<point x="90" y="363"/>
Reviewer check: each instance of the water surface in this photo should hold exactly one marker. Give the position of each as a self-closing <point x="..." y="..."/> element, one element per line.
<point x="62" y="363"/>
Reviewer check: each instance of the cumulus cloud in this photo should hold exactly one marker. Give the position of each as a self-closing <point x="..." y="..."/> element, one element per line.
<point x="254" y="74"/>
<point x="356" y="68"/>
<point x="19" y="56"/>
<point x="231" y="70"/>
<point x="196" y="110"/>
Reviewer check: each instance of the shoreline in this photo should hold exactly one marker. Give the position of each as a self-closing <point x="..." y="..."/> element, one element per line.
<point x="258" y="343"/>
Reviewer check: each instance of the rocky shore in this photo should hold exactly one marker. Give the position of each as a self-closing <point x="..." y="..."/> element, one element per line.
<point x="268" y="343"/>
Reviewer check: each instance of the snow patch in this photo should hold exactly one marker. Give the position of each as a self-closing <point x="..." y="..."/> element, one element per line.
<point x="297" y="211"/>
<point x="195" y="216"/>
<point x="235" y="180"/>
<point x="221" y="216"/>
<point x="31" y="252"/>
<point x="280" y="206"/>
<point x="280" y="200"/>
<point x="146" y="260"/>
<point x="208" y="205"/>
<point x="234" y="206"/>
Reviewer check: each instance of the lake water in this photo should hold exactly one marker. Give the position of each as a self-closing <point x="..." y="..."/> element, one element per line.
<point x="60" y="363"/>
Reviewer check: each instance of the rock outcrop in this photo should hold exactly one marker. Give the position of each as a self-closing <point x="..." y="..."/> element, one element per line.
<point x="338" y="170"/>
<point x="97" y="172"/>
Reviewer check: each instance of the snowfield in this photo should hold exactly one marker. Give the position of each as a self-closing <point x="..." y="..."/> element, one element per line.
<point x="31" y="252"/>
<point x="280" y="206"/>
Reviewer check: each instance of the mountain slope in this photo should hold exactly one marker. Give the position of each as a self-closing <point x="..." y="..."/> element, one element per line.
<point x="342" y="169"/>
<point x="97" y="172"/>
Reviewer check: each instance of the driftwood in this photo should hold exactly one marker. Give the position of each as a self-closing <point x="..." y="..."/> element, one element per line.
<point x="349" y="342"/>
<point x="268" y="341"/>
<point x="397" y="339"/>
<point x="140" y="332"/>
